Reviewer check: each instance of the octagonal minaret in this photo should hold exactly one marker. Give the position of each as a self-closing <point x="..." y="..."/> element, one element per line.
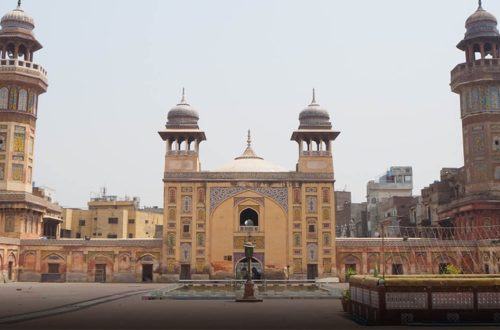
<point x="21" y="82"/>
<point x="477" y="81"/>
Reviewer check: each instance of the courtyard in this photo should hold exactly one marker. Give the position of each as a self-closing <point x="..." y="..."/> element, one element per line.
<point x="121" y="306"/>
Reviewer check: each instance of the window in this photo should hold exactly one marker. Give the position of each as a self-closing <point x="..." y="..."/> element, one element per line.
<point x="130" y="235"/>
<point x="81" y="222"/>
<point x="146" y="221"/>
<point x="171" y="195"/>
<point x="23" y="100"/>
<point x="113" y="221"/>
<point x="397" y="269"/>
<point x="311" y="228"/>
<point x="112" y="236"/>
<point x="326" y="195"/>
<point x="251" y="215"/>
<point x="185" y="229"/>
<point x="131" y="221"/>
<point x="4" y="98"/>
<point x="311" y="204"/>
<point x="186" y="204"/>
<point x="78" y="235"/>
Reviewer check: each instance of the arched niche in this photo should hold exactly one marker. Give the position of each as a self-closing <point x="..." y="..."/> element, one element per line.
<point x="249" y="214"/>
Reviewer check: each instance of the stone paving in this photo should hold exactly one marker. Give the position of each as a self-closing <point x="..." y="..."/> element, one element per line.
<point x="126" y="310"/>
<point x="24" y="297"/>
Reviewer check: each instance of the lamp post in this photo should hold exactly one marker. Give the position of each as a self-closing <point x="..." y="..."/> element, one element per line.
<point x="249" y="295"/>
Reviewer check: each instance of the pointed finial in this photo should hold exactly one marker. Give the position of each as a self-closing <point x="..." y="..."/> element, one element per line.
<point x="314" y="97"/>
<point x="249" y="139"/>
<point x="480" y="4"/>
<point x="18" y="3"/>
<point x="183" y="100"/>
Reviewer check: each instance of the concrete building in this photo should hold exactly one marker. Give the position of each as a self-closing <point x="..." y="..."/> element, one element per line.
<point x="397" y="181"/>
<point x="359" y="217"/>
<point x="394" y="215"/>
<point x="344" y="225"/>
<point x="112" y="217"/>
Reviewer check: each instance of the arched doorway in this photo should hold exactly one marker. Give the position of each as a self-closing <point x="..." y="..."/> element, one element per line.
<point x="242" y="268"/>
<point x="147" y="263"/>
<point x="249" y="214"/>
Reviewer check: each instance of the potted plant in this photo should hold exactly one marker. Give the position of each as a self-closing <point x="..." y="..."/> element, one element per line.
<point x="346" y="300"/>
<point x="348" y="273"/>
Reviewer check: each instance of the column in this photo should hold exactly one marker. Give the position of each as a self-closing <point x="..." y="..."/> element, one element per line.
<point x="364" y="262"/>
<point x="481" y="47"/>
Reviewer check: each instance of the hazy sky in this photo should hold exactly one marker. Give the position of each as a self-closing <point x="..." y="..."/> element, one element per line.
<point x="116" y="68"/>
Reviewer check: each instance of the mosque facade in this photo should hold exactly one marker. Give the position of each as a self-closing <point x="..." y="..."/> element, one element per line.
<point x="289" y="216"/>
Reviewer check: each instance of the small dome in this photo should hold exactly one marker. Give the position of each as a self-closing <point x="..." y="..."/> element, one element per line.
<point x="17" y="18"/>
<point x="314" y="116"/>
<point x="250" y="162"/>
<point x="183" y="115"/>
<point x="481" y="24"/>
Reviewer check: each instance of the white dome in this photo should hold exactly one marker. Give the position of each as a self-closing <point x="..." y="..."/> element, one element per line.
<point x="250" y="162"/>
<point x="250" y="165"/>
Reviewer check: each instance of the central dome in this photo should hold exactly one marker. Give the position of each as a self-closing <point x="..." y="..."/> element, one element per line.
<point x="250" y="162"/>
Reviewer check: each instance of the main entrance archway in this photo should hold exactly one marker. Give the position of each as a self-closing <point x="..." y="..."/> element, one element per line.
<point x="242" y="268"/>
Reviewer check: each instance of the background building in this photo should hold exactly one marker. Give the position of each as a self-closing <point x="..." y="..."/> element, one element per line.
<point x="344" y="226"/>
<point x="397" y="181"/>
<point x="113" y="217"/>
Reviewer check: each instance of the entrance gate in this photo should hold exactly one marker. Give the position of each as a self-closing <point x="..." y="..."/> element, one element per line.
<point x="100" y="273"/>
<point x="312" y="271"/>
<point x="185" y="272"/>
<point x="147" y="272"/>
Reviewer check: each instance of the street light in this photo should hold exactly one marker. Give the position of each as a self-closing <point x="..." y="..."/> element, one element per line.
<point x="249" y="295"/>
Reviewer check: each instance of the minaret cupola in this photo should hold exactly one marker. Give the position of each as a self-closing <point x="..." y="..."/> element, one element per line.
<point x="314" y="137"/>
<point x="183" y="137"/>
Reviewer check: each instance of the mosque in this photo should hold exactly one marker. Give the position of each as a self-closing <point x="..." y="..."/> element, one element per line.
<point x="208" y="215"/>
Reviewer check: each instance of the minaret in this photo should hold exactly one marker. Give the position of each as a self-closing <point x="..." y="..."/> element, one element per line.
<point x="315" y="136"/>
<point x="21" y="82"/>
<point x="477" y="81"/>
<point x="183" y="137"/>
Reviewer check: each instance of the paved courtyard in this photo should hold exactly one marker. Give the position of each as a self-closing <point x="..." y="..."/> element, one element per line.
<point x="120" y="306"/>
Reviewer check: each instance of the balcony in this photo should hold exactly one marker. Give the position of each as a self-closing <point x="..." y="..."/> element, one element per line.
<point x="26" y="68"/>
<point x="486" y="69"/>
<point x="316" y="153"/>
<point x="249" y="228"/>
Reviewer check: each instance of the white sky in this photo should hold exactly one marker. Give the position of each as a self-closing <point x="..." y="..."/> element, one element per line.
<point x="116" y="67"/>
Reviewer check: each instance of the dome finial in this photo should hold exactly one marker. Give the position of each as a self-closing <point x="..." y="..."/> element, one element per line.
<point x="18" y="3"/>
<point x="183" y="99"/>
<point x="249" y="139"/>
<point x="480" y="4"/>
<point x="314" y="97"/>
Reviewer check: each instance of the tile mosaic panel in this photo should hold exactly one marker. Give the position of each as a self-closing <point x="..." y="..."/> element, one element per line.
<point x="220" y="194"/>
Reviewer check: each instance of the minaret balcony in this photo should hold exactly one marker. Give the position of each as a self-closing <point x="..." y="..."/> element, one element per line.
<point x="316" y="153"/>
<point x="182" y="153"/>
<point x="23" y="68"/>
<point x="477" y="71"/>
